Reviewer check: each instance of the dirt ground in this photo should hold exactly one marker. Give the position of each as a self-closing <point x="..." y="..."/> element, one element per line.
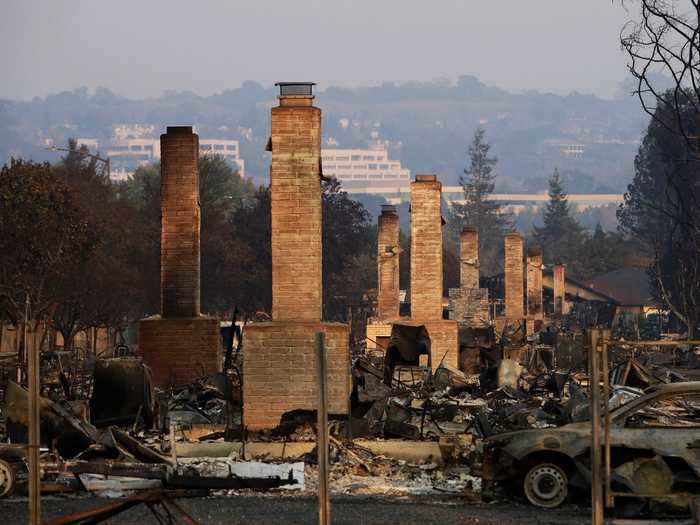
<point x="277" y="509"/>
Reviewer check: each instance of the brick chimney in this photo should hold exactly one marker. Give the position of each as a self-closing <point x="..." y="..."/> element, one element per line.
<point x="295" y="186"/>
<point x="388" y="263"/>
<point x="534" y="282"/>
<point x="426" y="248"/>
<point x="179" y="345"/>
<point x="280" y="360"/>
<point x="469" y="259"/>
<point x="559" y="289"/>
<point x="180" y="223"/>
<point x="514" y="276"/>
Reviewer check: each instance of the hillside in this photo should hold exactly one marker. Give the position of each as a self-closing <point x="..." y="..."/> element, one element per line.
<point x="426" y="125"/>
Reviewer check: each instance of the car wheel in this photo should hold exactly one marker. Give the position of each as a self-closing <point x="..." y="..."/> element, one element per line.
<point x="546" y="485"/>
<point x="8" y="478"/>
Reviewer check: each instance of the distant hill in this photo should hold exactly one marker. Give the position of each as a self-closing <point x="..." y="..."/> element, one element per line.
<point x="426" y="125"/>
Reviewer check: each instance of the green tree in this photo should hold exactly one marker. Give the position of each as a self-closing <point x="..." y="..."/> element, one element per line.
<point x="349" y="245"/>
<point x="103" y="288"/>
<point x="251" y="227"/>
<point x="661" y="209"/>
<point x="561" y="237"/>
<point x="479" y="211"/>
<point x="43" y="236"/>
<point x="349" y="263"/>
<point x="607" y="251"/>
<point x="221" y="193"/>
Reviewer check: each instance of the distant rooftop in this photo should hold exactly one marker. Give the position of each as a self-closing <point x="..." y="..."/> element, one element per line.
<point x="628" y="286"/>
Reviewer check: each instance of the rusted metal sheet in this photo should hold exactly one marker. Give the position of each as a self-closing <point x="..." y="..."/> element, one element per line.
<point x="122" y="392"/>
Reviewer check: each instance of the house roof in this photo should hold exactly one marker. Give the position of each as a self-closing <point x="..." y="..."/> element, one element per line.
<point x="628" y="286"/>
<point x="577" y="289"/>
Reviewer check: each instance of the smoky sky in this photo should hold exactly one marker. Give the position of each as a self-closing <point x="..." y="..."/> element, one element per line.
<point x="141" y="48"/>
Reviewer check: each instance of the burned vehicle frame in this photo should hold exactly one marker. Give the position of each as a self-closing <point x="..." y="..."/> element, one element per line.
<point x="546" y="462"/>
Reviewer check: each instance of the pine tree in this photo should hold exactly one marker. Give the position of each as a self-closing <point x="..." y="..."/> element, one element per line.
<point x="478" y="211"/>
<point x="562" y="236"/>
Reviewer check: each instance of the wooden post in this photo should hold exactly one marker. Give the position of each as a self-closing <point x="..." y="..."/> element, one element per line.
<point x="324" y="506"/>
<point x="34" y="381"/>
<point x="594" y="385"/>
<point x="23" y="358"/>
<point x="609" y="500"/>
<point x="173" y="450"/>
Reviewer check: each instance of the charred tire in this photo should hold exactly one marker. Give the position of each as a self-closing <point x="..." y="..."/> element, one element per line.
<point x="546" y="485"/>
<point x="8" y="479"/>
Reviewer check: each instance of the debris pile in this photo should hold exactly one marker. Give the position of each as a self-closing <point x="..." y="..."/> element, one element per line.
<point x="412" y="430"/>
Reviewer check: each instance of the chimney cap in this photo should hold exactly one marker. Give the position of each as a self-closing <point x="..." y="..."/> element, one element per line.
<point x="388" y="208"/>
<point x="178" y="130"/>
<point x="296" y="89"/>
<point x="426" y="178"/>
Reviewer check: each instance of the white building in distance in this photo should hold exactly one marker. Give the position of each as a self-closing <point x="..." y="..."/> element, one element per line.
<point x="127" y="154"/>
<point x="365" y="169"/>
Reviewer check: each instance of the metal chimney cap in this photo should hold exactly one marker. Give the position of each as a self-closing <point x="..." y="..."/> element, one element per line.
<point x="296" y="89"/>
<point x="177" y="130"/>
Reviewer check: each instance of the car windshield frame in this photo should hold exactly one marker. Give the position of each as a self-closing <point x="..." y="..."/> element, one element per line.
<point x="621" y="413"/>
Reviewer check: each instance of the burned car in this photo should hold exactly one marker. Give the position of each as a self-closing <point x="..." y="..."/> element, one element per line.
<point x="659" y="432"/>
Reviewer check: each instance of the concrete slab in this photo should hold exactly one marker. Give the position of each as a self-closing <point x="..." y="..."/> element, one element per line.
<point x="411" y="451"/>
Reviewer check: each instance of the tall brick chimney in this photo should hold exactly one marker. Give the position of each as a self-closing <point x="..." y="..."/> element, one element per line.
<point x="514" y="276"/>
<point x="180" y="223"/>
<point x="534" y="283"/>
<point x="559" y="289"/>
<point x="469" y="259"/>
<point x="279" y="361"/>
<point x="179" y="345"/>
<point x="426" y="248"/>
<point x="295" y="184"/>
<point x="388" y="263"/>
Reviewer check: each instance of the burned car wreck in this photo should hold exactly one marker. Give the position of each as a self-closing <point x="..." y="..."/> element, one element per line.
<point x="654" y="447"/>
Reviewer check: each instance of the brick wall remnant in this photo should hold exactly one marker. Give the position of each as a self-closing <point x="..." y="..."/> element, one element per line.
<point x="180" y="350"/>
<point x="534" y="283"/>
<point x="470" y="307"/>
<point x="559" y="289"/>
<point x="469" y="258"/>
<point x="514" y="277"/>
<point x="388" y="263"/>
<point x="280" y="374"/>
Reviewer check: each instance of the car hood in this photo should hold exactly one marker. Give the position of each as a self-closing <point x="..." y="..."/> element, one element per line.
<point x="571" y="439"/>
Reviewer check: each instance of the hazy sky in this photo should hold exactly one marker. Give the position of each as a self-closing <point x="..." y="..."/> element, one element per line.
<point x="143" y="47"/>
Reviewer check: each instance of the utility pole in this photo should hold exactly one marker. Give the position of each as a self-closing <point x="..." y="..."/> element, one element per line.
<point x="33" y="376"/>
<point x="85" y="153"/>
